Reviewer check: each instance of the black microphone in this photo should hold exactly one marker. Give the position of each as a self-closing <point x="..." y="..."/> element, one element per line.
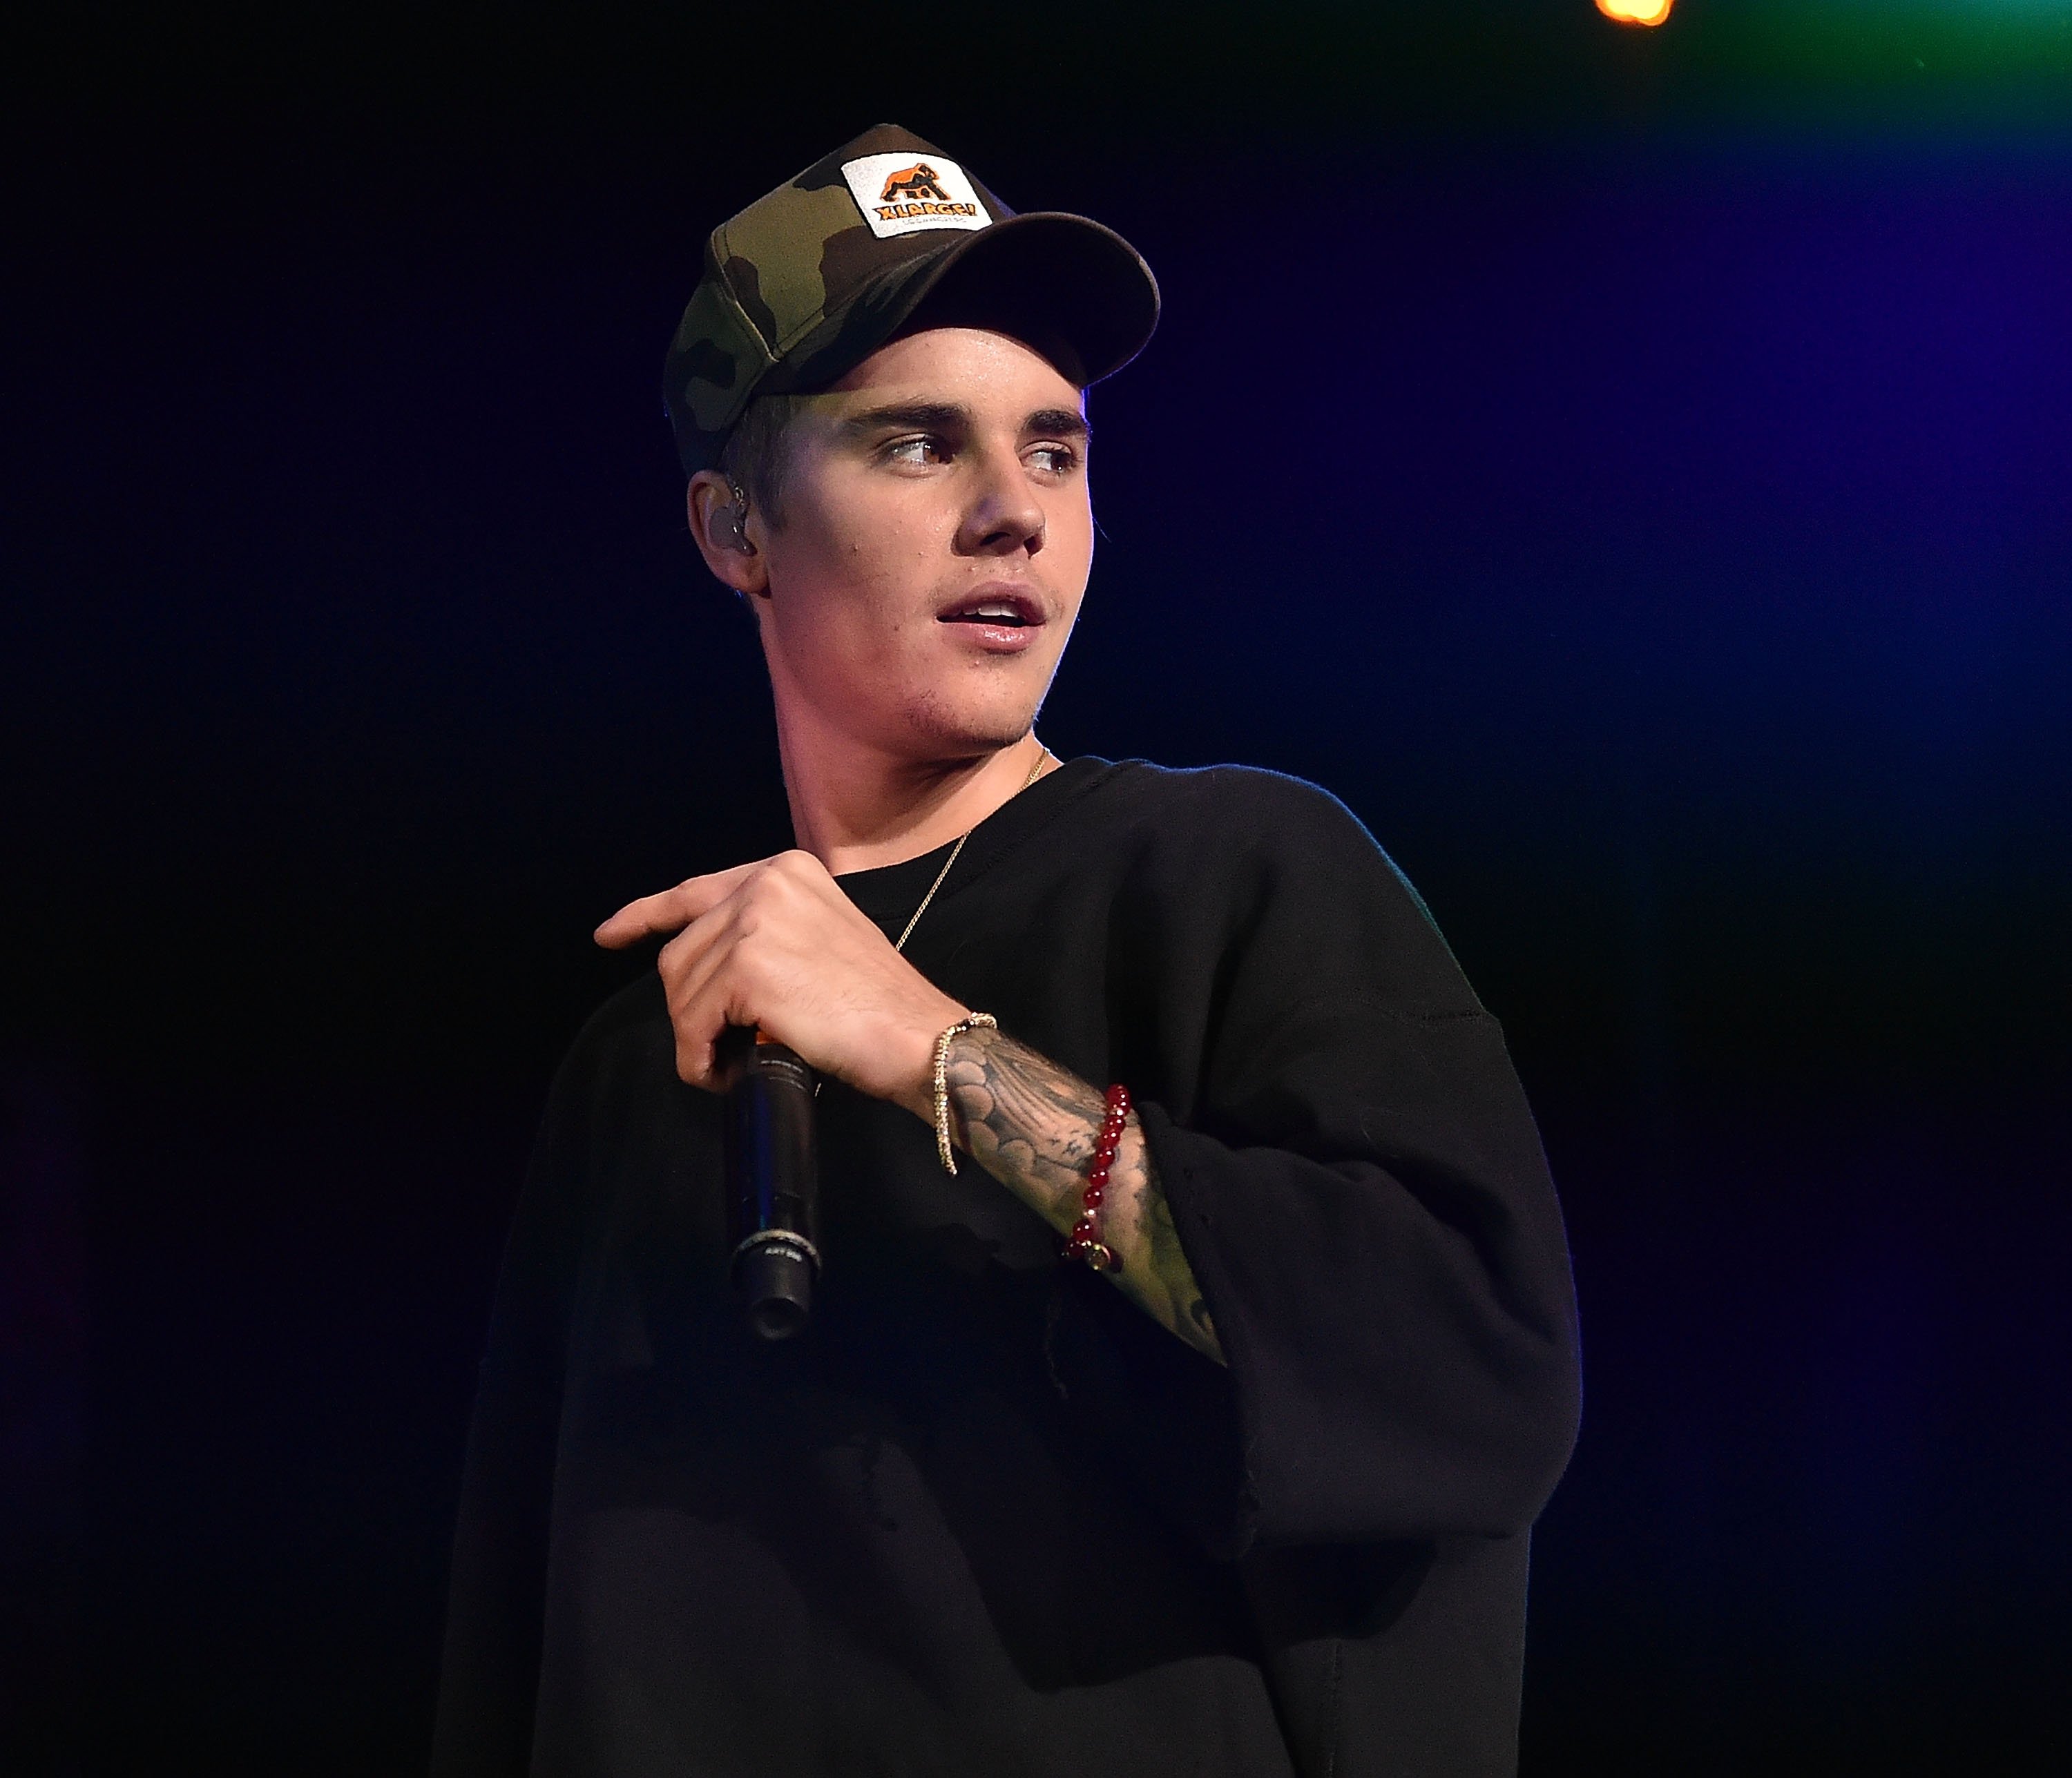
<point x="773" y="1181"/>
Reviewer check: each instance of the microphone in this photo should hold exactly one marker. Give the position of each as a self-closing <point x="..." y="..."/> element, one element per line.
<point x="773" y="1184"/>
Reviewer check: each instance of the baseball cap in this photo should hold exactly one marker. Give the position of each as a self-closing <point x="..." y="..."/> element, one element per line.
<point x="809" y="281"/>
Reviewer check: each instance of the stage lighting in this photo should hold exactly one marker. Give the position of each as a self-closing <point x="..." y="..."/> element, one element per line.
<point x="1636" y="12"/>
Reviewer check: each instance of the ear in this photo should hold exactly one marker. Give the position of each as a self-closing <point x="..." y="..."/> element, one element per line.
<point x="725" y="532"/>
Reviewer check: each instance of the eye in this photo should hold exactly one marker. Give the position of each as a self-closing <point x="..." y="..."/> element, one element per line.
<point x="1054" y="459"/>
<point x="916" y="453"/>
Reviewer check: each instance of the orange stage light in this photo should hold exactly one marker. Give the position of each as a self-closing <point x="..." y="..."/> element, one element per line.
<point x="1636" y="12"/>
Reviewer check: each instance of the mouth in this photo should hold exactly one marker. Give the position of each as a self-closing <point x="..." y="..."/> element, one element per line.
<point x="995" y="608"/>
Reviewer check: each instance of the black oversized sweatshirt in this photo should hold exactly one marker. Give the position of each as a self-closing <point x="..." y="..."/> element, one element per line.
<point x="988" y="1517"/>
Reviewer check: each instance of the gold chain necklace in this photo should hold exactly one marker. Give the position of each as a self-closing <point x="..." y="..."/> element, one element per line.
<point x="1035" y="772"/>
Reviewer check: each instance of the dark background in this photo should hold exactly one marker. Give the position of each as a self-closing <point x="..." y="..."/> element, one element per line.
<point x="1633" y="469"/>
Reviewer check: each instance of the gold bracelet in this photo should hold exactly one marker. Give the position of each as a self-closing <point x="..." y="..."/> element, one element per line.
<point x="972" y="1021"/>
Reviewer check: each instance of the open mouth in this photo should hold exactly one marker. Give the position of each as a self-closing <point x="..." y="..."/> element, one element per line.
<point x="995" y="611"/>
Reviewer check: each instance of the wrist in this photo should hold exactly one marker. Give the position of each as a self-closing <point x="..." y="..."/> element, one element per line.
<point x="909" y="1054"/>
<point x="939" y="1106"/>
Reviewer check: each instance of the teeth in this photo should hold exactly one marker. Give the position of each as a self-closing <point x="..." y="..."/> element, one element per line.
<point x="1001" y="611"/>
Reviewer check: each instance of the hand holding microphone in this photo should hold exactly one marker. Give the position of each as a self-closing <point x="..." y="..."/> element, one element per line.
<point x="776" y="945"/>
<point x="774" y="977"/>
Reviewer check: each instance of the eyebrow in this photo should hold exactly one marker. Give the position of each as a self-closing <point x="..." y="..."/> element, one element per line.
<point x="1062" y="422"/>
<point x="953" y="416"/>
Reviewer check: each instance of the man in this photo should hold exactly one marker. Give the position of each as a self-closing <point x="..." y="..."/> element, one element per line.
<point x="1240" y="1480"/>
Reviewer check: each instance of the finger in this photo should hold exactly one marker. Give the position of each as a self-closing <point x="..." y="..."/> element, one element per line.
<point x="700" y="1004"/>
<point x="692" y="955"/>
<point x="672" y="909"/>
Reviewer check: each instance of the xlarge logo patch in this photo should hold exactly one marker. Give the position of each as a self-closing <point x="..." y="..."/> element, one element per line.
<point x="902" y="194"/>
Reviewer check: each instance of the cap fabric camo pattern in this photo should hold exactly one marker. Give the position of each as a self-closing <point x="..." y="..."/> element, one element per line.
<point x="807" y="282"/>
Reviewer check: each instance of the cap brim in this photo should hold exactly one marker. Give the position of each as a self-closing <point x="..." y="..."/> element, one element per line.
<point x="1049" y="277"/>
<point x="1073" y="290"/>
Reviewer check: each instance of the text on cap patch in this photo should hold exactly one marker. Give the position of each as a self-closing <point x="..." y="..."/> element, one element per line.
<point x="904" y="194"/>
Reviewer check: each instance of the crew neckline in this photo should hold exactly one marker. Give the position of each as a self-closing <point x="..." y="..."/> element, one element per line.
<point x="889" y="893"/>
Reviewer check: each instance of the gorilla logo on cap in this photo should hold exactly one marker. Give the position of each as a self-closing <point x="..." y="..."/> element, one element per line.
<point x="913" y="184"/>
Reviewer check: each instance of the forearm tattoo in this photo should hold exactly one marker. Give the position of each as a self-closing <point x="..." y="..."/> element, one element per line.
<point x="1033" y="1125"/>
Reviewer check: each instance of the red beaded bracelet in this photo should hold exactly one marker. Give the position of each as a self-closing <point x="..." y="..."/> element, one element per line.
<point x="1085" y="1242"/>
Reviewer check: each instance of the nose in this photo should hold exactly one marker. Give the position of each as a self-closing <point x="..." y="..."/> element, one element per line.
<point x="1004" y="516"/>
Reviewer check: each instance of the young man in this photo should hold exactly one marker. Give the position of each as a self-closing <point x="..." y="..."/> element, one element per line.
<point x="1197" y="1420"/>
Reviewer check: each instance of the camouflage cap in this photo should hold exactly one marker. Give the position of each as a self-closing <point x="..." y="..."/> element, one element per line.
<point x="807" y="282"/>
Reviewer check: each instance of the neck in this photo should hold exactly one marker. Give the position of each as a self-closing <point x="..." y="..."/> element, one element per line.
<point x="855" y="808"/>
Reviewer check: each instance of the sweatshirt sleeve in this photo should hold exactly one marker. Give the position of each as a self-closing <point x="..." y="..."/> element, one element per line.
<point x="1359" y="1188"/>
